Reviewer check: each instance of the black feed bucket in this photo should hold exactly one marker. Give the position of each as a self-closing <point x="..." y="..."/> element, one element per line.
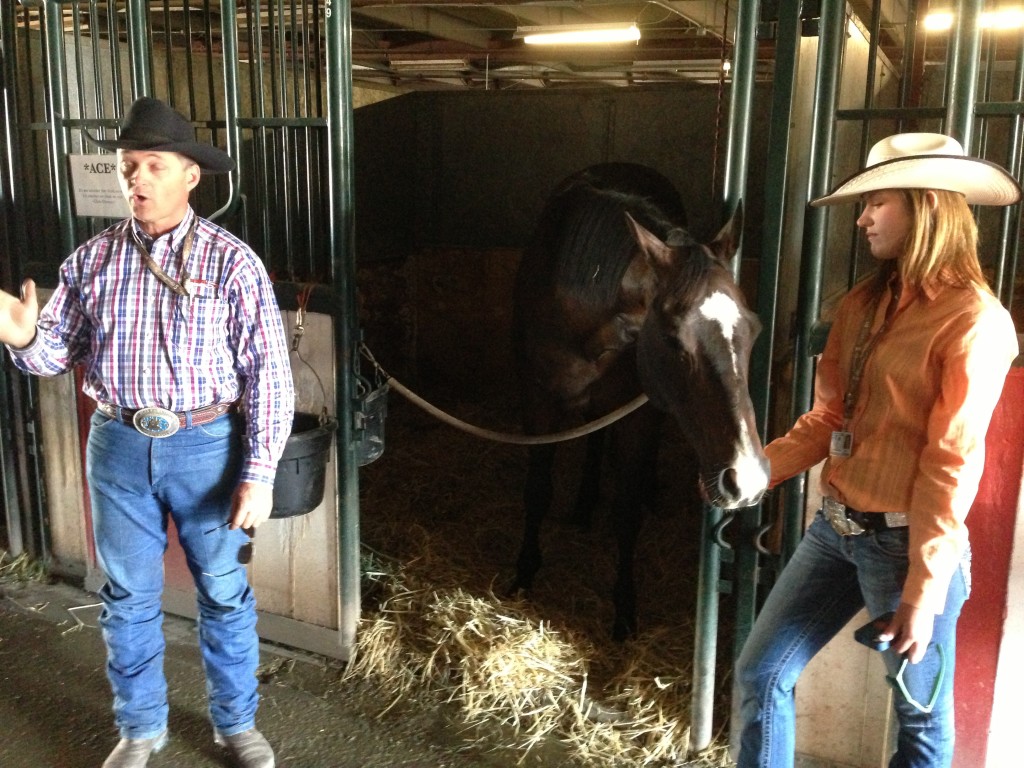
<point x="299" y="484"/>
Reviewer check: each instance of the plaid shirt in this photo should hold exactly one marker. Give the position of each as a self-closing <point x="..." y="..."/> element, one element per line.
<point x="143" y="345"/>
<point x="928" y="392"/>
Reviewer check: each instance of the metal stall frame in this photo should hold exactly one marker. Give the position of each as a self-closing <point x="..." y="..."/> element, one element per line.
<point x="714" y="550"/>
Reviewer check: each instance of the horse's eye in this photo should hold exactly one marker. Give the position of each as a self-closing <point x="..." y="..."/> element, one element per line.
<point x="672" y="341"/>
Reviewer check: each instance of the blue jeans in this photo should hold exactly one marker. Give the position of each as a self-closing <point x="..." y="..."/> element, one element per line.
<point x="135" y="482"/>
<point x="827" y="581"/>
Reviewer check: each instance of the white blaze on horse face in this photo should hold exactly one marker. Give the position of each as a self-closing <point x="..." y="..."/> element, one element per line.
<point x="750" y="476"/>
<point x="723" y="310"/>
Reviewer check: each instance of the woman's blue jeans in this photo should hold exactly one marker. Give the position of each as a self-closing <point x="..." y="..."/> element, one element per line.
<point x="135" y="483"/>
<point x="827" y="581"/>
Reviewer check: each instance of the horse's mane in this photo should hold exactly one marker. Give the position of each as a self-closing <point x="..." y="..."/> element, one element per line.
<point x="583" y="228"/>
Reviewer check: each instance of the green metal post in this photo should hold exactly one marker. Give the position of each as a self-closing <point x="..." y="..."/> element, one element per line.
<point x="826" y="97"/>
<point x="138" y="49"/>
<point x="10" y="270"/>
<point x="962" y="66"/>
<point x="1009" y="227"/>
<point x="229" y="41"/>
<point x="57" y="101"/>
<point x="343" y="277"/>
<point x="736" y="163"/>
<point x="787" y="45"/>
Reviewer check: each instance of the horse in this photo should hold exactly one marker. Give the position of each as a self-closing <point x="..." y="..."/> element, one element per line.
<point x="614" y="298"/>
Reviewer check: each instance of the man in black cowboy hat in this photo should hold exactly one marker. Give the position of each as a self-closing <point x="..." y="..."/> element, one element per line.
<point x="175" y="324"/>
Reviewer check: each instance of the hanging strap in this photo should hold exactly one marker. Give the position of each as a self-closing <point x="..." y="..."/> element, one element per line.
<point x="180" y="287"/>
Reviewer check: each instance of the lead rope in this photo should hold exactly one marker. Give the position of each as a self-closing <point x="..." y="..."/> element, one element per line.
<point x="300" y="329"/>
<point x="502" y="437"/>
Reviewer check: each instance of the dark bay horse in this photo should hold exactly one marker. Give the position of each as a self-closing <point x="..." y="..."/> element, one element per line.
<point x="613" y="298"/>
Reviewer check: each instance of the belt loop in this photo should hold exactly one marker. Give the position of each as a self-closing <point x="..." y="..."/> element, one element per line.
<point x="188" y="419"/>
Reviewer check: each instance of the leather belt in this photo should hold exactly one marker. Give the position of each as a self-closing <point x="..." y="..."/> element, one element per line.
<point x="160" y="422"/>
<point x="852" y="522"/>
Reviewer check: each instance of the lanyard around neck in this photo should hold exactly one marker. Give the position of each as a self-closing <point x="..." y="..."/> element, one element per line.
<point x="180" y="287"/>
<point x="865" y="346"/>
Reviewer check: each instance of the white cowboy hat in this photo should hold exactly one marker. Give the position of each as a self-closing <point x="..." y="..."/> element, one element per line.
<point x="927" y="161"/>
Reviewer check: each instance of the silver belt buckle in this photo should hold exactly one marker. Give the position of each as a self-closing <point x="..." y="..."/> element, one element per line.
<point x="156" y="422"/>
<point x="835" y="513"/>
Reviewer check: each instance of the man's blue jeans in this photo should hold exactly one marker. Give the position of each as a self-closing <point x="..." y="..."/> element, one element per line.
<point x="829" y="578"/>
<point x="135" y="482"/>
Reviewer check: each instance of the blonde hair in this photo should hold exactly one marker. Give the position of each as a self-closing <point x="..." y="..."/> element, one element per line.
<point x="942" y="247"/>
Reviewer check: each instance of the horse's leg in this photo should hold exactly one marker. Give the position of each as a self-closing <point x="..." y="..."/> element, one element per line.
<point x="589" y="493"/>
<point x="634" y="448"/>
<point x="537" y="495"/>
<point x="649" y="476"/>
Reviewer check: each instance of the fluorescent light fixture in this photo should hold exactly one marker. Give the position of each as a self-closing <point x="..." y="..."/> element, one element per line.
<point x="1005" y="18"/>
<point x="584" y="34"/>
<point x="1001" y="19"/>
<point x="938" y="21"/>
<point x="432" y="65"/>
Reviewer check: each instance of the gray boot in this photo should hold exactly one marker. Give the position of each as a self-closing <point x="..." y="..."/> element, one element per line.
<point x="134" y="753"/>
<point x="248" y="749"/>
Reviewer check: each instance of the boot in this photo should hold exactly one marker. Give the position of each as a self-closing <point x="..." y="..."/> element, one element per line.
<point x="248" y="749"/>
<point x="134" y="753"/>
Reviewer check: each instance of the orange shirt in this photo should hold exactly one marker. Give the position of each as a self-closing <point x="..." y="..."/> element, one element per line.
<point x="926" y="397"/>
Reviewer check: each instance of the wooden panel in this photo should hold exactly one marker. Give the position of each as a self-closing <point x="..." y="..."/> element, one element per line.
<point x="65" y="474"/>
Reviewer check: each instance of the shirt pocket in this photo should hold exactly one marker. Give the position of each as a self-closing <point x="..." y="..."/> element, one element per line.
<point x="204" y="336"/>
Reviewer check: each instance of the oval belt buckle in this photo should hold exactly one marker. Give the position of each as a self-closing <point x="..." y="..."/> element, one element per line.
<point x="835" y="513"/>
<point x="156" y="422"/>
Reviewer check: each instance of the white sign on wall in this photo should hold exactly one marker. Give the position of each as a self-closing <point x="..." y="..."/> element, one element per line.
<point x="95" y="189"/>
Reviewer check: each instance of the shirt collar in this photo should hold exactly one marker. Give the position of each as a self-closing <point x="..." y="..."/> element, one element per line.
<point x="177" y="234"/>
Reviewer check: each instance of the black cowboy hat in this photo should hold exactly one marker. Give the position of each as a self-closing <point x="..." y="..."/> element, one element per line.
<point x="152" y="125"/>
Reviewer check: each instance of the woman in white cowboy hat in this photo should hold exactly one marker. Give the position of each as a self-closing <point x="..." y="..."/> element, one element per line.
<point x="904" y="391"/>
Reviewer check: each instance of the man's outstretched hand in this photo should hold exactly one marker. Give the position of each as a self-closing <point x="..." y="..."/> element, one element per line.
<point x="18" y="316"/>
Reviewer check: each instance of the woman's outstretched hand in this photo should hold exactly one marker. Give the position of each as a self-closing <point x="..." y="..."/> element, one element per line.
<point x="18" y="316"/>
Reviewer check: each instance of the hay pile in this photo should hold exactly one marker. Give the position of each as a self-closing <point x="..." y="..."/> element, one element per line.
<point x="441" y="520"/>
<point x="20" y="569"/>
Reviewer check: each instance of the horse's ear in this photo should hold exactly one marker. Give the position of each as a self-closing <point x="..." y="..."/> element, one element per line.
<point x="727" y="241"/>
<point x="649" y="243"/>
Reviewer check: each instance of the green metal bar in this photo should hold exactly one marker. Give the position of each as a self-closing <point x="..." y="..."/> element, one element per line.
<point x="999" y="109"/>
<point x="962" y="65"/>
<point x="910" y="62"/>
<point x="12" y="242"/>
<point x="229" y="40"/>
<point x="341" y="227"/>
<point x="891" y="113"/>
<point x="56" y="97"/>
<point x="138" y="49"/>
<point x="736" y="166"/>
<point x="282" y="122"/>
<point x="826" y="96"/>
<point x="97" y="62"/>
<point x="787" y="45"/>
<point x="1010" y="222"/>
<point x="169" y="56"/>
<point x="189" y="65"/>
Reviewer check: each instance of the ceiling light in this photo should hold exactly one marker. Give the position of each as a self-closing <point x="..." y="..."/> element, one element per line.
<point x="580" y="34"/>
<point x="937" y="21"/>
<point x="432" y="65"/>
<point x="1002" y="19"/>
<point x="1006" y="18"/>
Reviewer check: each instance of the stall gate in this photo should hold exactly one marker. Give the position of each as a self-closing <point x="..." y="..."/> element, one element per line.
<point x="844" y="76"/>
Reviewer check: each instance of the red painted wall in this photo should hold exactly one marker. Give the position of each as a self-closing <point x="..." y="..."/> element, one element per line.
<point x="991" y="524"/>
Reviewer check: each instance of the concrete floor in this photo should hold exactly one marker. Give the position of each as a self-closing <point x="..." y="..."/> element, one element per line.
<point x="55" y="701"/>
